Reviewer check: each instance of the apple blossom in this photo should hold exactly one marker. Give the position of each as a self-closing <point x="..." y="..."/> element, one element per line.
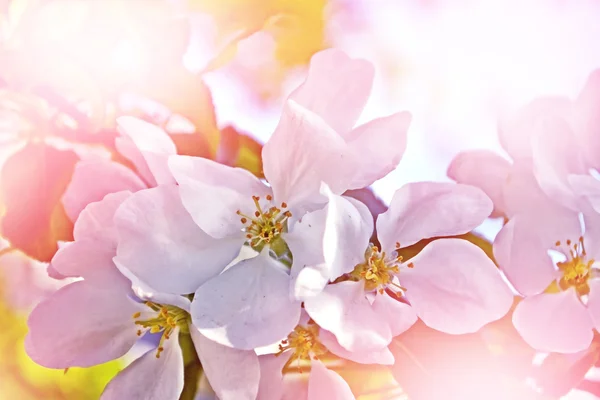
<point x="100" y="317"/>
<point x="310" y="146"/>
<point x="145" y="145"/>
<point x="451" y="284"/>
<point x="304" y="349"/>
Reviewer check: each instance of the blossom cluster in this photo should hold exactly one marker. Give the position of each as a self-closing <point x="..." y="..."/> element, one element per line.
<point x="549" y="196"/>
<point x="272" y="275"/>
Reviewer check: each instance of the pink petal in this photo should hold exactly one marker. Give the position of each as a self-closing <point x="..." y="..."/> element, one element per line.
<point x="326" y="384"/>
<point x="555" y="157"/>
<point x="556" y="322"/>
<point x="96" y="221"/>
<point x="129" y="150"/>
<point x="271" y="386"/>
<point x="593" y="303"/>
<point x="523" y="257"/>
<point x="89" y="259"/>
<point x="82" y="325"/>
<point x="378" y="147"/>
<point x="550" y="220"/>
<point x="336" y="235"/>
<point x="344" y="310"/>
<point x="381" y="356"/>
<point x="337" y="88"/>
<point x="400" y="316"/>
<point x="248" y="305"/>
<point x="587" y="187"/>
<point x="233" y="374"/>
<point x="587" y="120"/>
<point x="161" y="245"/>
<point x="515" y="132"/>
<point x="303" y="152"/>
<point x="150" y="378"/>
<point x="155" y="145"/>
<point x="485" y="170"/>
<point x="591" y="238"/>
<point x="92" y="180"/>
<point x="348" y="229"/>
<point x="212" y="204"/>
<point x="427" y="209"/>
<point x="455" y="288"/>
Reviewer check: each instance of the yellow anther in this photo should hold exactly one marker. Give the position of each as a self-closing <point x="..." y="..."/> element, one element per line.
<point x="163" y="318"/>
<point x="305" y="344"/>
<point x="264" y="227"/>
<point x="378" y="270"/>
<point x="576" y="268"/>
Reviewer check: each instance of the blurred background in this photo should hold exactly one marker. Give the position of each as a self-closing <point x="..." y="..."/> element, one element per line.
<point x="214" y="75"/>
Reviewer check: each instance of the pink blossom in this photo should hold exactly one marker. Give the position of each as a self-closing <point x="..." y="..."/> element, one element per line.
<point x="451" y="284"/>
<point x="314" y="143"/>
<point x="561" y="300"/>
<point x="99" y="318"/>
<point x="145" y="145"/>
<point x="301" y="351"/>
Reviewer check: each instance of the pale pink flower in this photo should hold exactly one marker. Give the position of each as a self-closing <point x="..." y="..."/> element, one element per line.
<point x="451" y="284"/>
<point x="145" y="145"/>
<point x="314" y="143"/>
<point x="553" y="138"/>
<point x="99" y="318"/>
<point x="562" y="293"/>
<point x="301" y="351"/>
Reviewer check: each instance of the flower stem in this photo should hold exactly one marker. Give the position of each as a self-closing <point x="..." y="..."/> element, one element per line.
<point x="192" y="367"/>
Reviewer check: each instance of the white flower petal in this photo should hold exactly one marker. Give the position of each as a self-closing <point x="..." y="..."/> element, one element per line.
<point x="326" y="384"/>
<point x="454" y="287"/>
<point x="161" y="245"/>
<point x="212" y="193"/>
<point x="82" y="325"/>
<point x="378" y="147"/>
<point x="554" y="322"/>
<point x="155" y="145"/>
<point x="381" y="356"/>
<point x="233" y="374"/>
<point x="150" y="378"/>
<point x="337" y="88"/>
<point x="430" y="209"/>
<point x="303" y="152"/>
<point x="343" y="309"/>
<point x="247" y="306"/>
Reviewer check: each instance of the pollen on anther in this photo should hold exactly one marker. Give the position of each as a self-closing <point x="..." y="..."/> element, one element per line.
<point x="411" y="265"/>
<point x="568" y="242"/>
<point x="557" y="243"/>
<point x="255" y="198"/>
<point x="269" y="197"/>
<point x="137" y="315"/>
<point x="244" y="220"/>
<point x="284" y="205"/>
<point x="397" y="245"/>
<point x="256" y="213"/>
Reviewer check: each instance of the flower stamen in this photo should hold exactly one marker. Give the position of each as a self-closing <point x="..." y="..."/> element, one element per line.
<point x="576" y="268"/>
<point x="304" y="343"/>
<point x="266" y="225"/>
<point x="161" y="318"/>
<point x="379" y="269"/>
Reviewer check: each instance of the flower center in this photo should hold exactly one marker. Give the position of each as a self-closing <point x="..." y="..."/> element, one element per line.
<point x="305" y="344"/>
<point x="576" y="268"/>
<point x="267" y="224"/>
<point x="163" y="319"/>
<point x="379" y="269"/>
